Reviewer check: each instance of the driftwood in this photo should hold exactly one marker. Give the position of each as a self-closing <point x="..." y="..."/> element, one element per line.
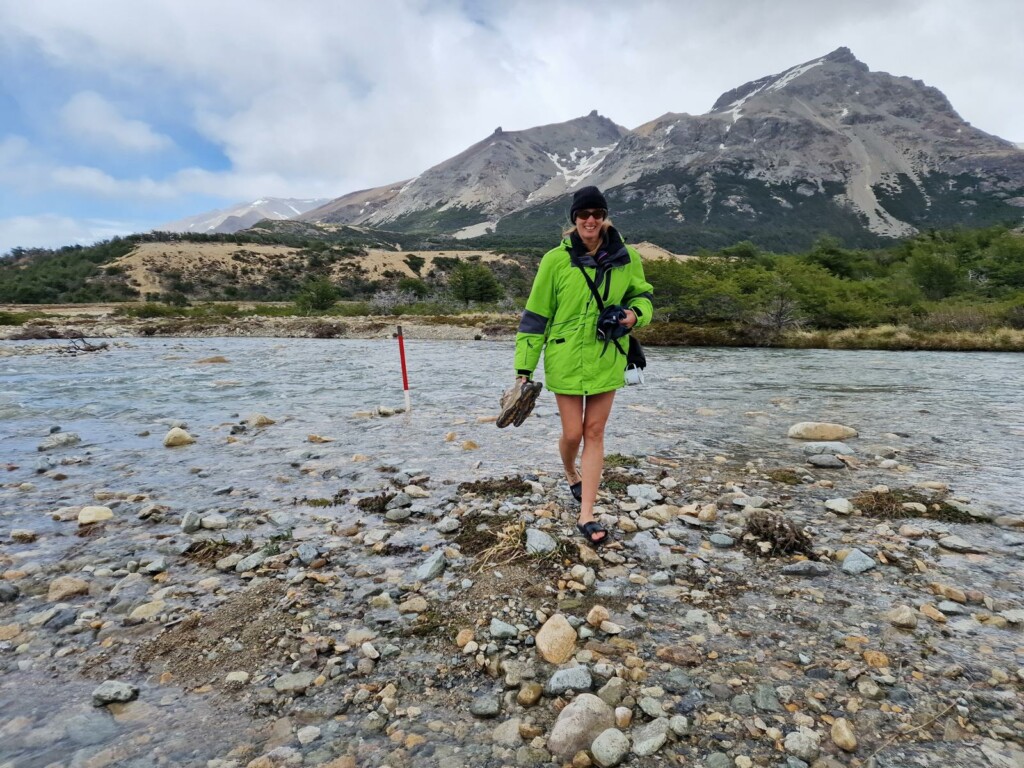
<point x="80" y="344"/>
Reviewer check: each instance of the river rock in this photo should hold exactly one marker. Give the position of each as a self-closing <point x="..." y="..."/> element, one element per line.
<point x="809" y="449"/>
<point x="8" y="592"/>
<point x="556" y="641"/>
<point x="112" y="691"/>
<point x="448" y="525"/>
<point x="259" y="420"/>
<point x="539" y="543"/>
<point x="610" y="748"/>
<point x="64" y="587"/>
<point x="805" y="568"/>
<point x="501" y="630"/>
<point x="249" y="562"/>
<point x="177" y="437"/>
<point x="584" y="719"/>
<point x="487" y="705"/>
<point x="825" y="461"/>
<point x="820" y="430"/>
<point x="214" y="522"/>
<point x="295" y="684"/>
<point x="839" y="506"/>
<point x="721" y="541"/>
<point x="649" y="738"/>
<point x="507" y="734"/>
<point x="843" y="735"/>
<point x="59" y="440"/>
<point x="857" y="562"/>
<point x="958" y="544"/>
<point x="191" y="522"/>
<point x="431" y="568"/>
<point x="90" y="515"/>
<point x="571" y="679"/>
<point x="803" y="743"/>
<point x="643" y="492"/>
<point x="903" y="616"/>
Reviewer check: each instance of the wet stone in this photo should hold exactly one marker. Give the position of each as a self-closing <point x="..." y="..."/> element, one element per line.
<point x="649" y="738"/>
<point x="766" y="700"/>
<point x="8" y="592"/>
<point x="487" y="705"/>
<point x="501" y="630"/>
<point x="805" y="568"/>
<point x="112" y="691"/>
<point x="825" y="461"/>
<point x="573" y="678"/>
<point x="431" y="568"/>
<point x="856" y="562"/>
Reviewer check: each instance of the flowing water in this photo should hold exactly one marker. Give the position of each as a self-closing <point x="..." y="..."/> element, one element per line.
<point x="959" y="416"/>
<point x="952" y="417"/>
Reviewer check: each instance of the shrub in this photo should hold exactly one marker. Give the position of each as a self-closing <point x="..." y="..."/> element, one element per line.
<point x="317" y="296"/>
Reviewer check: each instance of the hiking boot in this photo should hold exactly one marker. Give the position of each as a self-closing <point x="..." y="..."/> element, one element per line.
<point x="517" y="403"/>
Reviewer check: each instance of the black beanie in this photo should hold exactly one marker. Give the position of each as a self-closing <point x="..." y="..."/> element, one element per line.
<point x="588" y="197"/>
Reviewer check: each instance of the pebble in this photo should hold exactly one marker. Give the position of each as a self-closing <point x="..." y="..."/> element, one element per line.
<point x="556" y="640"/>
<point x="649" y="738"/>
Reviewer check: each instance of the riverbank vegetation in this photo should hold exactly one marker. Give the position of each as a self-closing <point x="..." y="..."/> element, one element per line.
<point x="956" y="289"/>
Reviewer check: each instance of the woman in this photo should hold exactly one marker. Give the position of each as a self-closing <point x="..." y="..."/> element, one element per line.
<point x="561" y="318"/>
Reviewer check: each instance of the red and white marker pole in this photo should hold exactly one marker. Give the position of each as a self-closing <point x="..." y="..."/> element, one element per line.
<point x="405" y="373"/>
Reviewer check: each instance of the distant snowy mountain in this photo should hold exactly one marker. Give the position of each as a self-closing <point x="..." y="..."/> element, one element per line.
<point x="242" y="216"/>
<point x="826" y="146"/>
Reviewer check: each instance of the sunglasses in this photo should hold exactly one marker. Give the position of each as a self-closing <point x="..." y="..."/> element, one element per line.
<point x="598" y="213"/>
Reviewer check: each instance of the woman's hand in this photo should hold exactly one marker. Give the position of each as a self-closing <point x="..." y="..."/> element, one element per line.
<point x="629" y="318"/>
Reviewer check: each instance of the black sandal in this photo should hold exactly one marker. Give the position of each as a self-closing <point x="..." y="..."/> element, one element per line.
<point x="589" y="528"/>
<point x="576" y="489"/>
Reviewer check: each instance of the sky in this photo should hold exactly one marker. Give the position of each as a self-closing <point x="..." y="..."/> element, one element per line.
<point x="117" y="116"/>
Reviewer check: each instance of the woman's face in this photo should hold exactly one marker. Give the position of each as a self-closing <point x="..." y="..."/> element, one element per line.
<point x="589" y="222"/>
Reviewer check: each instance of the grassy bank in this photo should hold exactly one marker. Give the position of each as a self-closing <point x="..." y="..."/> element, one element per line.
<point x="884" y="337"/>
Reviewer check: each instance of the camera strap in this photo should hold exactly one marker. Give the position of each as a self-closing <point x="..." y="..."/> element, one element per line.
<point x="600" y="304"/>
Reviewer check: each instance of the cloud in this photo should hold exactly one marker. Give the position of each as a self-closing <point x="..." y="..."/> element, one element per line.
<point x="91" y="118"/>
<point x="55" y="231"/>
<point x="312" y="99"/>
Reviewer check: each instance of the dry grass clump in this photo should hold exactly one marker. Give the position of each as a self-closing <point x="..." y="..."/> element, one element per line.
<point x="209" y="551"/>
<point x="509" y="546"/>
<point x="889" y="505"/>
<point x="494" y="487"/>
<point x="375" y="504"/>
<point x="784" y="475"/>
<point x="771" y="535"/>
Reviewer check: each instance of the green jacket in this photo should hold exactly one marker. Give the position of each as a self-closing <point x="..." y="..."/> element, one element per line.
<point x="561" y="316"/>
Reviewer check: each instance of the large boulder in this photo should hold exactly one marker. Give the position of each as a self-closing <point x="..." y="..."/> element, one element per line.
<point x="583" y="720"/>
<point x="820" y="430"/>
<point x="556" y="641"/>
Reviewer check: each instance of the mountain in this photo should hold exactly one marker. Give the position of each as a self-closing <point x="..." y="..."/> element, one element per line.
<point x="241" y="216"/>
<point x="825" y="147"/>
<point x="507" y="171"/>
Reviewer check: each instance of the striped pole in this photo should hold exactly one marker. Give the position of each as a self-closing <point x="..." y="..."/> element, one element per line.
<point x="405" y="373"/>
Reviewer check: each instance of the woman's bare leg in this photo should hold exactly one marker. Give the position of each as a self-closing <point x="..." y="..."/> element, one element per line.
<point x="595" y="418"/>
<point x="570" y="410"/>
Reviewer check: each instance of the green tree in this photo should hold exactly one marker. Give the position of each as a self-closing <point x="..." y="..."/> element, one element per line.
<point x="474" y="282"/>
<point x="317" y="296"/>
<point x="414" y="262"/>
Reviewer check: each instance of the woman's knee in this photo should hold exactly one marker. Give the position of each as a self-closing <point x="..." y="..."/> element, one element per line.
<point x="572" y="437"/>
<point x="593" y="433"/>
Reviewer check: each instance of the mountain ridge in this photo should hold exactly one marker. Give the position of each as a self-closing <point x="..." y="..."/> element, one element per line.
<point x="824" y="147"/>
